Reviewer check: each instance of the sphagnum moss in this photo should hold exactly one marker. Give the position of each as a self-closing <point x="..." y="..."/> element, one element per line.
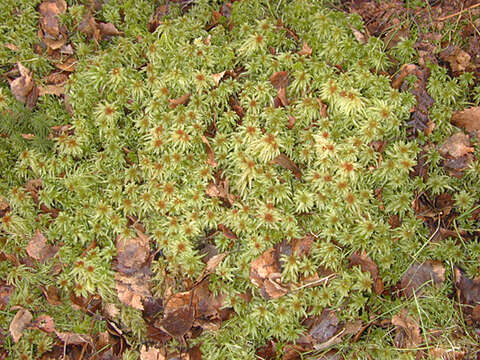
<point x="136" y="152"/>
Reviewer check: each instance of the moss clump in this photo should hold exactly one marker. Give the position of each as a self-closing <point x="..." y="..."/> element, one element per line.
<point x="143" y="108"/>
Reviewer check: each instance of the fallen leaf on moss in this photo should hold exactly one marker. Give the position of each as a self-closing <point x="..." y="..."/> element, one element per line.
<point x="210" y="155"/>
<point x="280" y="81"/>
<point x="19" y="322"/>
<point x="408" y="331"/>
<point x="51" y="32"/>
<point x="456" y="146"/>
<point x="419" y="274"/>
<point x="457" y="152"/>
<point x="5" y="292"/>
<point x="229" y="234"/>
<point x="67" y="65"/>
<point x="108" y="29"/>
<point x="24" y="88"/>
<point x="468" y="290"/>
<point x="51" y="90"/>
<point x="367" y="265"/>
<point x="178" y="315"/>
<point x="287" y="163"/>
<point x="152" y="353"/>
<point x="74" y="339"/>
<point x="182" y="100"/>
<point x="132" y="278"/>
<point x="51" y="294"/>
<point x="38" y="248"/>
<point x="469" y="119"/>
<point x="217" y="77"/>
<point x="458" y="59"/>
<point x="28" y="136"/>
<point x="306" y="50"/>
<point x="44" y="323"/>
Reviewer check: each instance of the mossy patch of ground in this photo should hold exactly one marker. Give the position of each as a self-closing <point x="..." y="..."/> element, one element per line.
<point x="254" y="179"/>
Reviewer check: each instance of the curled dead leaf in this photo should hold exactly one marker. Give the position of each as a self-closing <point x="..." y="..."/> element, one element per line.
<point x="19" y="322"/>
<point x="74" y="339"/>
<point x="419" y="274"/>
<point x="408" y="331"/>
<point x="306" y="50"/>
<point x="182" y="100"/>
<point x="152" y="353"/>
<point x="367" y="265"/>
<point x="38" y="248"/>
<point x="24" y="88"/>
<point x="287" y="163"/>
<point x="210" y="154"/>
<point x="468" y="290"/>
<point x="44" y="323"/>
<point x="469" y="119"/>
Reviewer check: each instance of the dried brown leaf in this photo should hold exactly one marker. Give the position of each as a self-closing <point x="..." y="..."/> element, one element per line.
<point x="89" y="26"/>
<point x="74" y="339"/>
<point x="108" y="29"/>
<point x="367" y="265"/>
<point x="38" y="248"/>
<point x="44" y="323"/>
<point x="67" y="65"/>
<point x="19" y="322"/>
<point x="229" y="234"/>
<point x="408" y="331"/>
<point x="306" y="50"/>
<point x="210" y="154"/>
<point x="51" y="294"/>
<point x="23" y="87"/>
<point x="456" y="146"/>
<point x="419" y="274"/>
<point x="361" y="38"/>
<point x="217" y="77"/>
<point x="468" y="290"/>
<point x="214" y="261"/>
<point x="178" y="322"/>
<point x="469" y="119"/>
<point x="287" y="163"/>
<point x="5" y="292"/>
<point x="279" y="79"/>
<point x="151" y="353"/>
<point x="49" y="20"/>
<point x="182" y="100"/>
<point x="458" y="59"/>
<point x="51" y="90"/>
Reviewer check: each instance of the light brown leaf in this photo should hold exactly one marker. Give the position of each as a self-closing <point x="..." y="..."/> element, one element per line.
<point x="468" y="290"/>
<point x="151" y="353"/>
<point x="74" y="339"/>
<point x="182" y="100"/>
<point x="44" y="323"/>
<point x="210" y="155"/>
<point x="12" y="47"/>
<point x="19" y="322"/>
<point x="28" y="136"/>
<point x="361" y="38"/>
<point x="108" y="29"/>
<point x="49" y="20"/>
<point x="456" y="146"/>
<point x="89" y="26"/>
<point x="51" y="90"/>
<point x="306" y="50"/>
<point x="408" y="331"/>
<point x="285" y="162"/>
<point x="51" y="294"/>
<point x="217" y="77"/>
<point x="419" y="274"/>
<point x="367" y="265"/>
<point x="214" y="261"/>
<point x="458" y="59"/>
<point x="279" y="79"/>
<point x="469" y="119"/>
<point x="38" y="248"/>
<point x="67" y="65"/>
<point x="24" y="85"/>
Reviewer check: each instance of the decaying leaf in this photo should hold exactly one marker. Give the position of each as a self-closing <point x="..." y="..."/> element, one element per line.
<point x="179" y="315"/>
<point x="38" y="248"/>
<point x="210" y="155"/>
<point x="51" y="90"/>
<point x="367" y="265"/>
<point x="306" y="50"/>
<point x="74" y="339"/>
<point x="280" y="81"/>
<point x="19" y="322"/>
<point x="287" y="163"/>
<point x="157" y="17"/>
<point x="44" y="323"/>
<point x="217" y="77"/>
<point x="152" y="353"/>
<point x="51" y="294"/>
<point x="456" y="146"/>
<point x="361" y="38"/>
<point x="214" y="261"/>
<point x="5" y="293"/>
<point x="469" y="119"/>
<point x="408" y="331"/>
<point x="132" y="278"/>
<point x="53" y="34"/>
<point x="265" y="271"/>
<point x="221" y="189"/>
<point x="97" y="30"/>
<point x="24" y="88"/>
<point x="419" y="274"/>
<point x="182" y="100"/>
<point x="457" y="152"/>
<point x="458" y="59"/>
<point x="468" y="290"/>
<point x="229" y="234"/>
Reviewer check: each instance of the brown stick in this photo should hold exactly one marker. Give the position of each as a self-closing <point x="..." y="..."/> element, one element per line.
<point x="458" y="12"/>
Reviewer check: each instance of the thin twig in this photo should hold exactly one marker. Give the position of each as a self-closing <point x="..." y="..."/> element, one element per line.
<point x="458" y="12"/>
